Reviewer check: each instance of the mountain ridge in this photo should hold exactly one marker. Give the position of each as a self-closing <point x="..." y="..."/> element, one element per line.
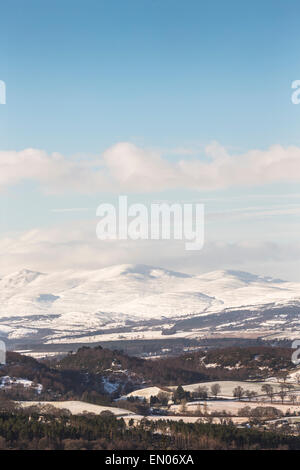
<point x="81" y="302"/>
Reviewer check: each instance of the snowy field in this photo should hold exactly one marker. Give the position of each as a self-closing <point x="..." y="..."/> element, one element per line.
<point x="148" y="392"/>
<point x="231" y="406"/>
<point x="227" y="387"/>
<point x="78" y="407"/>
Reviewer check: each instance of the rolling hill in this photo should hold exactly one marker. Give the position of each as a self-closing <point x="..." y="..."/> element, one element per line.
<point x="77" y="304"/>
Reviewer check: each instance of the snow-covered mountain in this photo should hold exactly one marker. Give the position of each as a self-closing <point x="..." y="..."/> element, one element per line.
<point x="48" y="306"/>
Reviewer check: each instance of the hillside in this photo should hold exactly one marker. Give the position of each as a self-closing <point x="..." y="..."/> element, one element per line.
<point x="99" y="375"/>
<point x="219" y="364"/>
<point x="138" y="301"/>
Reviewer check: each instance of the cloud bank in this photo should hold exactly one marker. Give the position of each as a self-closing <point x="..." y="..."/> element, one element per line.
<point x="75" y="246"/>
<point x="127" y="167"/>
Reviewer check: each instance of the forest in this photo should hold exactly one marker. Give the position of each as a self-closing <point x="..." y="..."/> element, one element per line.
<point x="58" y="430"/>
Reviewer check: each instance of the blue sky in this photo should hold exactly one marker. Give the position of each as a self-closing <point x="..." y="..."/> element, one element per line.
<point x="170" y="76"/>
<point x="83" y="75"/>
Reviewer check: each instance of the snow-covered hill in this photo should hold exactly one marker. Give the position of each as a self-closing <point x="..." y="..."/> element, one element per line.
<point x="34" y="304"/>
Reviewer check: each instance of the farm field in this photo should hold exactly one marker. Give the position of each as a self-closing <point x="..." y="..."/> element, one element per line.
<point x="231" y="407"/>
<point x="149" y="392"/>
<point x="227" y="387"/>
<point x="78" y="407"/>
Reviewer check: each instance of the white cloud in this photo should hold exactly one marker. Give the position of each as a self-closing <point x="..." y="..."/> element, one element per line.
<point x="75" y="246"/>
<point x="133" y="168"/>
<point x="53" y="172"/>
<point x="126" y="167"/>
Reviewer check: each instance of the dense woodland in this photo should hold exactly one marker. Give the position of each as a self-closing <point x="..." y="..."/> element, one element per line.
<point x="274" y="358"/>
<point x="30" y="430"/>
<point x="185" y="368"/>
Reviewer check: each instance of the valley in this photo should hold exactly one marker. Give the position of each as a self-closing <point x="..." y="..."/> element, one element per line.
<point x="242" y="398"/>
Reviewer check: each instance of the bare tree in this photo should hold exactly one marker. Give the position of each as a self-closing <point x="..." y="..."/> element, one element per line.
<point x="238" y="392"/>
<point x="248" y="394"/>
<point x="163" y="398"/>
<point x="215" y="390"/>
<point x="268" y="390"/>
<point x="282" y="393"/>
<point x="293" y="398"/>
<point x="201" y="392"/>
<point x="183" y="408"/>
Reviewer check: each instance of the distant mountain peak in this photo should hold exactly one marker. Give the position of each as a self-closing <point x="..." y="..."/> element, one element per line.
<point x="242" y="276"/>
<point x="90" y="302"/>
<point x="249" y="277"/>
<point x="140" y="270"/>
<point x="21" y="277"/>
